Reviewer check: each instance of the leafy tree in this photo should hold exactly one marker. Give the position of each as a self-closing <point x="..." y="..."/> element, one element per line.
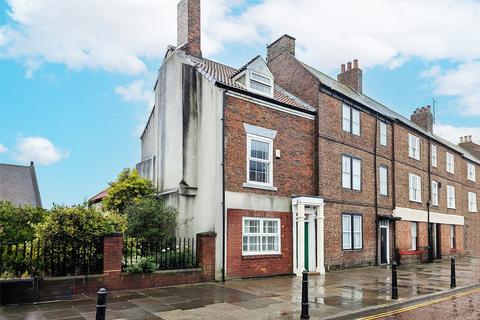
<point x="129" y="187"/>
<point x="17" y="223"/>
<point x="151" y="219"/>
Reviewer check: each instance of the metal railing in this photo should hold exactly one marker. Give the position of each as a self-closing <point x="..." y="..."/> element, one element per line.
<point x="50" y="258"/>
<point x="167" y="254"/>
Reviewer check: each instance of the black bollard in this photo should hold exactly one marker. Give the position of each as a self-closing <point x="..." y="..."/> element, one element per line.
<point x="304" y="314"/>
<point x="101" y="304"/>
<point x="453" y="278"/>
<point x="394" y="281"/>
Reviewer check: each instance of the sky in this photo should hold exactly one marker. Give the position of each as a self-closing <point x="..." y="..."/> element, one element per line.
<point x="76" y="76"/>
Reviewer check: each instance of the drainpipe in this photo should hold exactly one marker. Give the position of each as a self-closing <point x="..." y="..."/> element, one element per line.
<point x="376" y="191"/>
<point x="429" y="229"/>
<point x="223" y="187"/>
<point x="394" y="195"/>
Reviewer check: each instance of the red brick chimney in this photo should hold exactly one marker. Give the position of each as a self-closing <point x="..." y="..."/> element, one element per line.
<point x="467" y="143"/>
<point x="423" y="117"/>
<point x="351" y="77"/>
<point x="188" y="27"/>
<point x="282" y="44"/>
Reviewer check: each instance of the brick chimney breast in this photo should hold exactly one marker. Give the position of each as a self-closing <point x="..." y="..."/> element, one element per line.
<point x="282" y="44"/>
<point x="352" y="77"/>
<point x="189" y="27"/>
<point x="423" y="118"/>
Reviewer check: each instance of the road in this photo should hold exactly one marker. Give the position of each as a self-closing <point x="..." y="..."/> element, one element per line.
<point x="465" y="305"/>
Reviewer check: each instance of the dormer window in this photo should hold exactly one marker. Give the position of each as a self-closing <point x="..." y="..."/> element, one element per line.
<point x="256" y="77"/>
<point x="261" y="84"/>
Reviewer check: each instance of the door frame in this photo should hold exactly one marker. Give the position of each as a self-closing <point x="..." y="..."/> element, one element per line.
<point x="385" y="225"/>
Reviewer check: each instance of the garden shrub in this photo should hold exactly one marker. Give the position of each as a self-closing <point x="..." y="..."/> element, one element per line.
<point x="142" y="265"/>
<point x="17" y="223"/>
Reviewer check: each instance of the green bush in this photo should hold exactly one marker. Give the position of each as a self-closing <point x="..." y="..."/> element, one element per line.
<point x="129" y="187"/>
<point x="17" y="224"/>
<point x="142" y="265"/>
<point x="151" y="220"/>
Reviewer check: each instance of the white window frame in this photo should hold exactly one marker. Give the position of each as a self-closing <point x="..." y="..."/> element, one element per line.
<point x="434" y="193"/>
<point x="471" y="175"/>
<point x="349" y="178"/>
<point x="383" y="177"/>
<point x="450" y="163"/>
<point x="269" y="84"/>
<point x="262" y="234"/>
<point x="451" y="201"/>
<point x="348" y="116"/>
<point x="472" y="202"/>
<point x="383" y="134"/>
<point x="414" y="236"/>
<point x="350" y="245"/>
<point x="414" y="147"/>
<point x="453" y="239"/>
<point x="415" y="187"/>
<point x="251" y="137"/>
<point x="434" y="155"/>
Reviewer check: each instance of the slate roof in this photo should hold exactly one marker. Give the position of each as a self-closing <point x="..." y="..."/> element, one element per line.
<point x="18" y="184"/>
<point x="217" y="72"/>
<point x="382" y="109"/>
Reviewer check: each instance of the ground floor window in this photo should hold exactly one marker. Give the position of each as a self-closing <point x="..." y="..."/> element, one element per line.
<point x="452" y="237"/>
<point x="351" y="231"/>
<point x="260" y="236"/>
<point x="414" y="235"/>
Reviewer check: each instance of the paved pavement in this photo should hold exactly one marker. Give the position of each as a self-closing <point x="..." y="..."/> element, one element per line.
<point x="261" y="298"/>
<point x="462" y="307"/>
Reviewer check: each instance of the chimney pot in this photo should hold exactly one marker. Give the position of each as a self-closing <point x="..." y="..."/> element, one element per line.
<point x="461" y="139"/>
<point x="355" y="63"/>
<point x="469" y="138"/>
<point x="349" y="66"/>
<point x="342" y="68"/>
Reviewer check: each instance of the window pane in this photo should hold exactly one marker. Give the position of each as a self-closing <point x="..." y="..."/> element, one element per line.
<point x="259" y="149"/>
<point x="255" y="85"/>
<point x="383" y="134"/>
<point x="356" y="169"/>
<point x="259" y="171"/>
<point x="346" y="171"/>
<point x="346" y="118"/>
<point x="355" y="122"/>
<point x="260" y="78"/>
<point x="346" y="232"/>
<point x="357" y="232"/>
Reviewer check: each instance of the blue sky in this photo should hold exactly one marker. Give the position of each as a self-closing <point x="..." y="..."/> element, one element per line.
<point x="76" y="88"/>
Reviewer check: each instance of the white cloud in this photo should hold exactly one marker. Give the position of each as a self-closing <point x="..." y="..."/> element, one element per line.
<point x="31" y="66"/>
<point x="431" y="72"/>
<point x="89" y="34"/>
<point x="38" y="149"/>
<point x="3" y="148"/>
<point x="453" y="133"/>
<point x="136" y="92"/>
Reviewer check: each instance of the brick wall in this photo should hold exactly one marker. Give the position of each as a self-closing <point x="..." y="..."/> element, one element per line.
<point x="262" y="265"/>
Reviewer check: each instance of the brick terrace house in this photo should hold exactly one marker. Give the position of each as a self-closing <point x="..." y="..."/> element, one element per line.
<point x="295" y="170"/>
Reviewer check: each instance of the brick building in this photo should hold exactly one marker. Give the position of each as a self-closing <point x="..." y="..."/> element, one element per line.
<point x="295" y="170"/>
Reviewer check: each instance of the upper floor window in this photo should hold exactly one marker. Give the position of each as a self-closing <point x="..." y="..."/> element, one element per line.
<point x="434" y="193"/>
<point x="350" y="120"/>
<point x="383" y="180"/>
<point x="472" y="202"/>
<point x="383" y="133"/>
<point x="260" y="168"/>
<point x="451" y="197"/>
<point x="260" y="236"/>
<point x="415" y="188"/>
<point x="471" y="172"/>
<point x="256" y="77"/>
<point x="351" y="173"/>
<point x="450" y="163"/>
<point x="413" y="146"/>
<point x="261" y="83"/>
<point x="434" y="155"/>
<point x="351" y="231"/>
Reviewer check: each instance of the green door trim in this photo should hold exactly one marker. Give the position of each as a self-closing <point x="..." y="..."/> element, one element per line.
<point x="306" y="246"/>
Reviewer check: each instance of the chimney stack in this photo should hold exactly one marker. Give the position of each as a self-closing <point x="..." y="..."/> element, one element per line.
<point x="352" y="77"/>
<point x="423" y="117"/>
<point x="466" y="142"/>
<point x="283" y="44"/>
<point x="189" y="28"/>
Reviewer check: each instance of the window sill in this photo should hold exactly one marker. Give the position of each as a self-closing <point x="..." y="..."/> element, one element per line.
<point x="416" y="201"/>
<point x="259" y="186"/>
<point x="261" y="256"/>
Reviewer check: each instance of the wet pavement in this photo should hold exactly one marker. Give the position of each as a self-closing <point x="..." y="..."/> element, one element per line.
<point x="261" y="298"/>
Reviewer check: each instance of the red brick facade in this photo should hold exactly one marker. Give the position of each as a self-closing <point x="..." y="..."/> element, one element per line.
<point x="239" y="265"/>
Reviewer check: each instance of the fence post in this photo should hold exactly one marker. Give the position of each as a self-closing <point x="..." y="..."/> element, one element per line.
<point x="101" y="304"/>
<point x="394" y="281"/>
<point x="206" y="253"/>
<point x="112" y="253"/>
<point x="453" y="278"/>
<point x="305" y="315"/>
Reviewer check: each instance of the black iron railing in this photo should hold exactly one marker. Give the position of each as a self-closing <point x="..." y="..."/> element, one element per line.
<point x="167" y="254"/>
<point x="50" y="258"/>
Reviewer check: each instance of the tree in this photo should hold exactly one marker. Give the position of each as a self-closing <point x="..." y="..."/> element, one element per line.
<point x="151" y="219"/>
<point x="17" y="222"/>
<point x="129" y="187"/>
